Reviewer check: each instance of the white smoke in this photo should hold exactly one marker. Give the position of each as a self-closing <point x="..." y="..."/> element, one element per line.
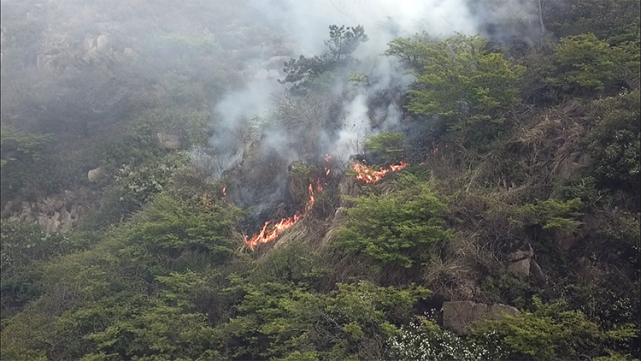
<point x="304" y="25"/>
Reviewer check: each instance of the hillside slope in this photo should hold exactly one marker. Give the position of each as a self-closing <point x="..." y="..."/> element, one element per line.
<point x="186" y="181"/>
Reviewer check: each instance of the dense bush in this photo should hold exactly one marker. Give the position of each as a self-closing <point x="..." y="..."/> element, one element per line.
<point x="282" y="322"/>
<point x="464" y="85"/>
<point x="547" y="333"/>
<point x="22" y="154"/>
<point x="388" y="147"/>
<point x="396" y="229"/>
<point x="615" y="141"/>
<point x="168" y="228"/>
<point x="583" y="61"/>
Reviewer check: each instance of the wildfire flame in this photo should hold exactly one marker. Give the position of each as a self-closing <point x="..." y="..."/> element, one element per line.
<point x="327" y="158"/>
<point x="265" y="236"/>
<point x="368" y="175"/>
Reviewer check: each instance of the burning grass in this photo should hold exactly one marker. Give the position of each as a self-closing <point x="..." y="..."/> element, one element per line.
<point x="369" y="175"/>
<point x="268" y="234"/>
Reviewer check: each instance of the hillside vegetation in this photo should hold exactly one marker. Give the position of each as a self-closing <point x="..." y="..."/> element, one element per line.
<point x="511" y="177"/>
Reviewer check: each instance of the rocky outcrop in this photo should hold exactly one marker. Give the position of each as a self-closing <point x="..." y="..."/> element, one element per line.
<point x="576" y="163"/>
<point x="459" y="316"/>
<point x="56" y="213"/>
<point x="96" y="174"/>
<point x="168" y="141"/>
<point x="522" y="263"/>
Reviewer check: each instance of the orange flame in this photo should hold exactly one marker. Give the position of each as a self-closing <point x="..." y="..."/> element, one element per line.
<point x="368" y="175"/>
<point x="265" y="236"/>
<point x="327" y="158"/>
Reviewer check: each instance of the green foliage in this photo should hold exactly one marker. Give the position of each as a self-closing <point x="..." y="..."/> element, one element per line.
<point x="26" y="243"/>
<point x="621" y="237"/>
<point x="615" y="356"/>
<point x="607" y="19"/>
<point x="157" y="286"/>
<point x="397" y="228"/>
<point x="547" y="333"/>
<point x="552" y="214"/>
<point x="137" y="184"/>
<point x="463" y="84"/>
<point x="388" y="146"/>
<point x="615" y="141"/>
<point x="124" y="299"/>
<point x="284" y="322"/>
<point x="583" y="61"/>
<point x="359" y="79"/>
<point x="167" y="327"/>
<point x="608" y="299"/>
<point x="22" y="153"/>
<point x="508" y="288"/>
<point x="139" y="143"/>
<point x="300" y="171"/>
<point x="20" y="146"/>
<point x="304" y="73"/>
<point x="295" y="264"/>
<point x="583" y="188"/>
<point x="167" y="228"/>
<point x="23" y="249"/>
<point x="411" y="51"/>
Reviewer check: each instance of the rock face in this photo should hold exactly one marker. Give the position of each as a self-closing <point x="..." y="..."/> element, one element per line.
<point x="460" y="315"/>
<point x="519" y="261"/>
<point x="521" y="267"/>
<point x="96" y="174"/>
<point x="522" y="263"/>
<point x="168" y="141"/>
<point x="576" y="163"/>
<point x="56" y="213"/>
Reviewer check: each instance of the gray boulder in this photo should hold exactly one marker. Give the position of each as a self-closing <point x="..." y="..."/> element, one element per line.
<point x="520" y="261"/>
<point x="459" y="316"/>
<point x="168" y="141"/>
<point x="96" y="174"/>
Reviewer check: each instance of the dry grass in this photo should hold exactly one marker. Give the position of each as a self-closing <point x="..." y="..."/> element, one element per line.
<point x="542" y="144"/>
<point x="461" y="265"/>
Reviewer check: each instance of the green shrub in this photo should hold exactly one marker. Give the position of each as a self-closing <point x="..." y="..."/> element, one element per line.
<point x="605" y="18"/>
<point x="167" y="326"/>
<point x="462" y="83"/>
<point x="388" y="146"/>
<point x="278" y="321"/>
<point x="21" y="160"/>
<point x="295" y="264"/>
<point x="397" y="228"/>
<point x="615" y="141"/>
<point x="583" y="61"/>
<point x="551" y="214"/>
<point x="583" y="188"/>
<point x="547" y="333"/>
<point x="137" y="184"/>
<point x="508" y="288"/>
<point x="23" y="248"/>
